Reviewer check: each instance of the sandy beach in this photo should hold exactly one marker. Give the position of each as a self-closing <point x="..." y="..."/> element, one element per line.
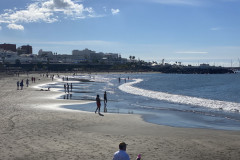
<point x="34" y="127"/>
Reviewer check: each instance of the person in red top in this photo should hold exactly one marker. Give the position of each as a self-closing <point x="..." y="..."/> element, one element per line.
<point x="98" y="102"/>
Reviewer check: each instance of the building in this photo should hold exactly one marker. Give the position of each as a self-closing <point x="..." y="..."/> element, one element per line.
<point x="204" y="65"/>
<point x="85" y="55"/>
<point x="25" y="49"/>
<point x="81" y="56"/>
<point x="42" y="53"/>
<point x="8" y="47"/>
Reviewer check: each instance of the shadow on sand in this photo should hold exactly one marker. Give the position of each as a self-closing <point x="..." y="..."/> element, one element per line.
<point x="100" y="114"/>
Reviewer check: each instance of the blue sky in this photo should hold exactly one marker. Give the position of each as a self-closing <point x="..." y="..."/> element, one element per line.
<point x="189" y="31"/>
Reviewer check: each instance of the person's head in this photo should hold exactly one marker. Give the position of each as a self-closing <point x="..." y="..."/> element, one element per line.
<point x="97" y="96"/>
<point x="123" y="146"/>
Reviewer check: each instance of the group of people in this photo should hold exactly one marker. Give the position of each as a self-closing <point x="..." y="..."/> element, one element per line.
<point x="125" y="80"/>
<point x="67" y="87"/>
<point x="66" y="78"/>
<point x="20" y="84"/>
<point x="98" y="102"/>
<point x="33" y="79"/>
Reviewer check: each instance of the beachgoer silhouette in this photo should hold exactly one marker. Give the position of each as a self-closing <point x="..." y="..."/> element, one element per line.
<point x="21" y="84"/>
<point x="27" y="82"/>
<point x="65" y="88"/>
<point x="98" y="102"/>
<point x="105" y="101"/>
<point x="71" y="87"/>
<point x="17" y="85"/>
<point x="119" y="79"/>
<point x="121" y="154"/>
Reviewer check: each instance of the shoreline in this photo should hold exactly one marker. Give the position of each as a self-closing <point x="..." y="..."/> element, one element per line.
<point x="30" y="132"/>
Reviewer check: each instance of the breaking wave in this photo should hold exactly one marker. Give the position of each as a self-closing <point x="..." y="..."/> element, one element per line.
<point x="180" y="99"/>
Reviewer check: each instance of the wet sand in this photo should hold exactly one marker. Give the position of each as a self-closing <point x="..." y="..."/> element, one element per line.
<point x="34" y="127"/>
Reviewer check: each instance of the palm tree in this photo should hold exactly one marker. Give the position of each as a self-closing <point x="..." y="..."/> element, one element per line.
<point x="130" y="57"/>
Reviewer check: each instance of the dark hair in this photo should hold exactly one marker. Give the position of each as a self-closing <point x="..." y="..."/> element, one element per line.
<point x="122" y="146"/>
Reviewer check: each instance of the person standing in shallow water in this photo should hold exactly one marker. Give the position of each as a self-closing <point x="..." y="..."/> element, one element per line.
<point x="98" y="102"/>
<point x="105" y="101"/>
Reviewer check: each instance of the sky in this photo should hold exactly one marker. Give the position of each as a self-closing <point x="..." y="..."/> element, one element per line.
<point x="187" y="31"/>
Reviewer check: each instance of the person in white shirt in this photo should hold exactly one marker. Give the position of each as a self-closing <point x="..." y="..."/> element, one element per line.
<point x="121" y="154"/>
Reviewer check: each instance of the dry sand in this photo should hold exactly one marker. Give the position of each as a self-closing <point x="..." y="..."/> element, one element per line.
<point x="33" y="128"/>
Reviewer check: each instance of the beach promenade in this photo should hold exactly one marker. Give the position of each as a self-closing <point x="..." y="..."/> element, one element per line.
<point x="33" y="127"/>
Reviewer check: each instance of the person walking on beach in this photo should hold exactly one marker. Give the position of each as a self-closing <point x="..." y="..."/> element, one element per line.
<point x="17" y="85"/>
<point x="27" y="82"/>
<point x="105" y="101"/>
<point x="21" y="85"/>
<point x="98" y="102"/>
<point x="121" y="154"/>
<point x="71" y="87"/>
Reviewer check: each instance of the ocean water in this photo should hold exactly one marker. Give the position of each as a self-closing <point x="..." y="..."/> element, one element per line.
<point x="179" y="100"/>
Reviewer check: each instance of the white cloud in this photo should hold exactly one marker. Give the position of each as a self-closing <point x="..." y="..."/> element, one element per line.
<point x="15" y="26"/>
<point x="48" y="11"/>
<point x="215" y="29"/>
<point x="115" y="11"/>
<point x="105" y="9"/>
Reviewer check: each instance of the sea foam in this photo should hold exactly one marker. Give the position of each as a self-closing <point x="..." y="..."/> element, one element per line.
<point x="180" y="99"/>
